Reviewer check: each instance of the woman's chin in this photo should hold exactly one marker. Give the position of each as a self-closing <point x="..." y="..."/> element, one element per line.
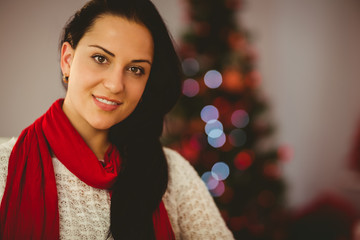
<point x="102" y="126"/>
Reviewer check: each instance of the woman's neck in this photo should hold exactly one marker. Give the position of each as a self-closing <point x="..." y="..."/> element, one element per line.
<point x="97" y="140"/>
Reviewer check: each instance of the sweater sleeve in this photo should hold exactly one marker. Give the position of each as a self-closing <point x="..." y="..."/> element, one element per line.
<point x="5" y="151"/>
<point x="192" y="209"/>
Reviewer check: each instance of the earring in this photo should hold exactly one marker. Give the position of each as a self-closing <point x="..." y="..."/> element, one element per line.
<point x="65" y="79"/>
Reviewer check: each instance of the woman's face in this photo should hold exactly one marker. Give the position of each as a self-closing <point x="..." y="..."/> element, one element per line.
<point x="108" y="72"/>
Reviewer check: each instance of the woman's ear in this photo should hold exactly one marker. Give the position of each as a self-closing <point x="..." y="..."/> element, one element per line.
<point x="67" y="54"/>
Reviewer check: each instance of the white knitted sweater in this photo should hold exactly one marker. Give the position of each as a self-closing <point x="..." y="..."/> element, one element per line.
<point x="85" y="211"/>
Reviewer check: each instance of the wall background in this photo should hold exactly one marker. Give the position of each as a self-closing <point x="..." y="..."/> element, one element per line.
<point x="309" y="56"/>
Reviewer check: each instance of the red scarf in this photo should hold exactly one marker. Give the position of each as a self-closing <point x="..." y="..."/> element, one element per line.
<point x="29" y="208"/>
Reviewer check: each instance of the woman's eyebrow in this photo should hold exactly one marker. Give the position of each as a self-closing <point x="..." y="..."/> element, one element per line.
<point x="104" y="49"/>
<point x="141" y="60"/>
<point x="113" y="55"/>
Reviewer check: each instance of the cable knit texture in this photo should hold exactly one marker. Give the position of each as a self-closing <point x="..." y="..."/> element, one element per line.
<point x="85" y="211"/>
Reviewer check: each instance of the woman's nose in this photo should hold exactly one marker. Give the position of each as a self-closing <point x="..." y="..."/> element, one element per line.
<point x="114" y="81"/>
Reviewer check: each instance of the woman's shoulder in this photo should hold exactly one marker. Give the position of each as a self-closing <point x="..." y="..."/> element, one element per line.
<point x="173" y="157"/>
<point x="178" y="165"/>
<point x="5" y="150"/>
<point x="6" y="146"/>
<point x="183" y="178"/>
<point x="191" y="209"/>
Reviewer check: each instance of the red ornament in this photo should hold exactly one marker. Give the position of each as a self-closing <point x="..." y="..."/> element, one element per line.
<point x="253" y="79"/>
<point x="190" y="149"/>
<point x="243" y="160"/>
<point x="236" y="41"/>
<point x="232" y="80"/>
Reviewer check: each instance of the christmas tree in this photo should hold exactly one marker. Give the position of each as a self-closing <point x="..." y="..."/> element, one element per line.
<point x="221" y="123"/>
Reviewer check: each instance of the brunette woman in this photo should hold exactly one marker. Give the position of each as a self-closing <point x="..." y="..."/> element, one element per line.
<point x="92" y="166"/>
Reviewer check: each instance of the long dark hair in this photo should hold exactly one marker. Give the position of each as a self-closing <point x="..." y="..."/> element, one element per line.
<point x="143" y="178"/>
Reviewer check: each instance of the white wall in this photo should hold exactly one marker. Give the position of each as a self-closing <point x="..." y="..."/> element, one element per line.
<point x="309" y="56"/>
<point x="310" y="61"/>
<point x="30" y="77"/>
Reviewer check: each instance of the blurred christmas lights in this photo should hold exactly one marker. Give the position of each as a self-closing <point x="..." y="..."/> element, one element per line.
<point x="220" y="71"/>
<point x="215" y="133"/>
<point x="233" y="80"/>
<point x="213" y="125"/>
<point x="220" y="171"/>
<point x="190" y="87"/>
<point x="213" y="79"/>
<point x="285" y="153"/>
<point x="240" y="118"/>
<point x="218" y="141"/>
<point x="190" y="67"/>
<point x="210" y="182"/>
<point x="243" y="160"/>
<point x="219" y="190"/>
<point x="208" y="113"/>
<point x="214" y="179"/>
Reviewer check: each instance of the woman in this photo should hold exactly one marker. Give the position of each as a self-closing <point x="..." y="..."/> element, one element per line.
<point x="93" y="166"/>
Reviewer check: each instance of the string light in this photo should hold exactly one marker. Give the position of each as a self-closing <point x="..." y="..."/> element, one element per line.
<point x="215" y="133"/>
<point x="212" y="125"/>
<point x="213" y="79"/>
<point x="240" y="118"/>
<point x="217" y="142"/>
<point x="219" y="190"/>
<point x="220" y="171"/>
<point x="208" y="113"/>
<point x="190" y="87"/>
<point x="190" y="67"/>
<point x="210" y="182"/>
<point x="216" y="187"/>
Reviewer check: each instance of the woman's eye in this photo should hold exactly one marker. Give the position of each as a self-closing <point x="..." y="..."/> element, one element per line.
<point x="137" y="70"/>
<point x="100" y="59"/>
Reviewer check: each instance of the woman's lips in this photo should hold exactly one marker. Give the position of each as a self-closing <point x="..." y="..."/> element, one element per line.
<point x="106" y="104"/>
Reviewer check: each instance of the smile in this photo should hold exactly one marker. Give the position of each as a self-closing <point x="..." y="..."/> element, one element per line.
<point x="106" y="101"/>
<point x="106" y="104"/>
